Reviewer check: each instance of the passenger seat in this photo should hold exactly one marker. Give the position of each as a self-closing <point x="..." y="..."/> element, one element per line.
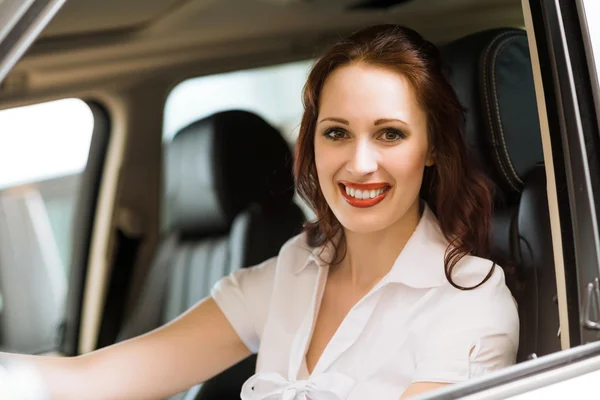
<point x="229" y="190"/>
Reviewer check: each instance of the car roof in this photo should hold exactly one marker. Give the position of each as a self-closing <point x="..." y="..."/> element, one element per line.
<point x="112" y="44"/>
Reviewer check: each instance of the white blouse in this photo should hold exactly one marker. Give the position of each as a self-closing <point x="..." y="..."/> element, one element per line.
<point x="413" y="326"/>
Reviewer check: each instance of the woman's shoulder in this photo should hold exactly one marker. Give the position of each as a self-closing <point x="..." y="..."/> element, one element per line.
<point x="489" y="294"/>
<point x="296" y="244"/>
<point x="262" y="276"/>
<point x="292" y="257"/>
<point x="472" y="270"/>
<point x="295" y="251"/>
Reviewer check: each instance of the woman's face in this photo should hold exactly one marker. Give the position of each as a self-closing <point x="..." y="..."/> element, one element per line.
<point x="371" y="147"/>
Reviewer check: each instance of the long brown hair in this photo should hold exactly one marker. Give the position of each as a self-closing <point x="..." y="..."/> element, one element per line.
<point x="458" y="193"/>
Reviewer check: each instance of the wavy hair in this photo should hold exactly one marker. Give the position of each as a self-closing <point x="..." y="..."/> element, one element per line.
<point x="458" y="192"/>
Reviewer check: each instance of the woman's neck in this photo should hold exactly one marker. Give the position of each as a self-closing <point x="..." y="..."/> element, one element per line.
<point x="370" y="256"/>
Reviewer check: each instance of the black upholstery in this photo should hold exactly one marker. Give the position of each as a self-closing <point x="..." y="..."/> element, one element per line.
<point x="219" y="165"/>
<point x="491" y="73"/>
<point x="537" y="288"/>
<point x="229" y="192"/>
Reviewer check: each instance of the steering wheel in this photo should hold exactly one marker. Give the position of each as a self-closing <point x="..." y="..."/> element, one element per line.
<point x="19" y="381"/>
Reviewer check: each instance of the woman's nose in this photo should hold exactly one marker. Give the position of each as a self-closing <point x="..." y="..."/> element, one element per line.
<point x="364" y="159"/>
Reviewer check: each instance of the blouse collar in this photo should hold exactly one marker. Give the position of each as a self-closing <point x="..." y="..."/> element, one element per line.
<point x="420" y="264"/>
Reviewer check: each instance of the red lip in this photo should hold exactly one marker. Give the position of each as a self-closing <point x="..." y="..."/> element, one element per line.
<point x="363" y="203"/>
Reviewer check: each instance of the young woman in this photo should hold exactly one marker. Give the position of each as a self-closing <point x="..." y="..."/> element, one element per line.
<point x="387" y="295"/>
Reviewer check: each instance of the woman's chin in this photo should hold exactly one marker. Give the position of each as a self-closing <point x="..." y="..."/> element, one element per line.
<point x="372" y="219"/>
<point x="364" y="223"/>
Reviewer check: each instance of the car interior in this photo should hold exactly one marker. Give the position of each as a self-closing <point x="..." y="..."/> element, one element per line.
<point x="154" y="222"/>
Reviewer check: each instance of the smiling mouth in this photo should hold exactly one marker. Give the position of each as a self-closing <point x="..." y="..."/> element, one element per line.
<point x="364" y="195"/>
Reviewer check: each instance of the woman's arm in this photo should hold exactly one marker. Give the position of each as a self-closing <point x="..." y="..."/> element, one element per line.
<point x="419" y="388"/>
<point x="191" y="349"/>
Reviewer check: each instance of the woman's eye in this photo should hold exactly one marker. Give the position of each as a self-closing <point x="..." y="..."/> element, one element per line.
<point x="334" y="134"/>
<point x="392" y="135"/>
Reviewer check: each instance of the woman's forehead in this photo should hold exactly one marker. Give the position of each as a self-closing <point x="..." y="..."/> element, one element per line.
<point x="361" y="92"/>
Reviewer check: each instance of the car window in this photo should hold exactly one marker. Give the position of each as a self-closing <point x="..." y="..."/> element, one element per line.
<point x="43" y="150"/>
<point x="274" y="93"/>
<point x="590" y="11"/>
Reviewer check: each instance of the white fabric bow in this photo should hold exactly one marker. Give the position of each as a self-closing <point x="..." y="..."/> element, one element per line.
<point x="272" y="386"/>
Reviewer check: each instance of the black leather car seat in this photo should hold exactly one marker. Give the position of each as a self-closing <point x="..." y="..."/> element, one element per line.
<point x="492" y="75"/>
<point x="229" y="190"/>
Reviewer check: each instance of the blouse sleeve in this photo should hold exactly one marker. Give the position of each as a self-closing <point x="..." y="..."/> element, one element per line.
<point x="243" y="297"/>
<point x="476" y="332"/>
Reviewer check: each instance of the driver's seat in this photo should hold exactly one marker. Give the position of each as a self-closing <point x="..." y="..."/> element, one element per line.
<point x="492" y="76"/>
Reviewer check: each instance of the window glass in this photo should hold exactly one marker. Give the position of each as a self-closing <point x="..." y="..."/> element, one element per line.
<point x="43" y="150"/>
<point x="274" y="93"/>
<point x="592" y="13"/>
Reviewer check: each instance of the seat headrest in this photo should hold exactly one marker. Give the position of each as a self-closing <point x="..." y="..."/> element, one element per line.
<point x="218" y="166"/>
<point x="492" y="76"/>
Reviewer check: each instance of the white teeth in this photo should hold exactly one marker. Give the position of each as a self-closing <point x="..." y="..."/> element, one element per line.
<point x="364" y="194"/>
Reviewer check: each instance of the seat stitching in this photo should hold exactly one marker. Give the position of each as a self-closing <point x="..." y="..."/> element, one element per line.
<point x="510" y="165"/>
<point x="487" y="101"/>
<point x="487" y="104"/>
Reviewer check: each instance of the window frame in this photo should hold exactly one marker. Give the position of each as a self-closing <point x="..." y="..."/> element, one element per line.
<point x="525" y="377"/>
<point x="25" y="23"/>
<point x="574" y="108"/>
<point x="85" y="215"/>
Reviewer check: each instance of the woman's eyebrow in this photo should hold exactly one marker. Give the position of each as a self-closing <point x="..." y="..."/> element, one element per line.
<point x="377" y="122"/>
<point x="335" y="119"/>
<point x="386" y="120"/>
